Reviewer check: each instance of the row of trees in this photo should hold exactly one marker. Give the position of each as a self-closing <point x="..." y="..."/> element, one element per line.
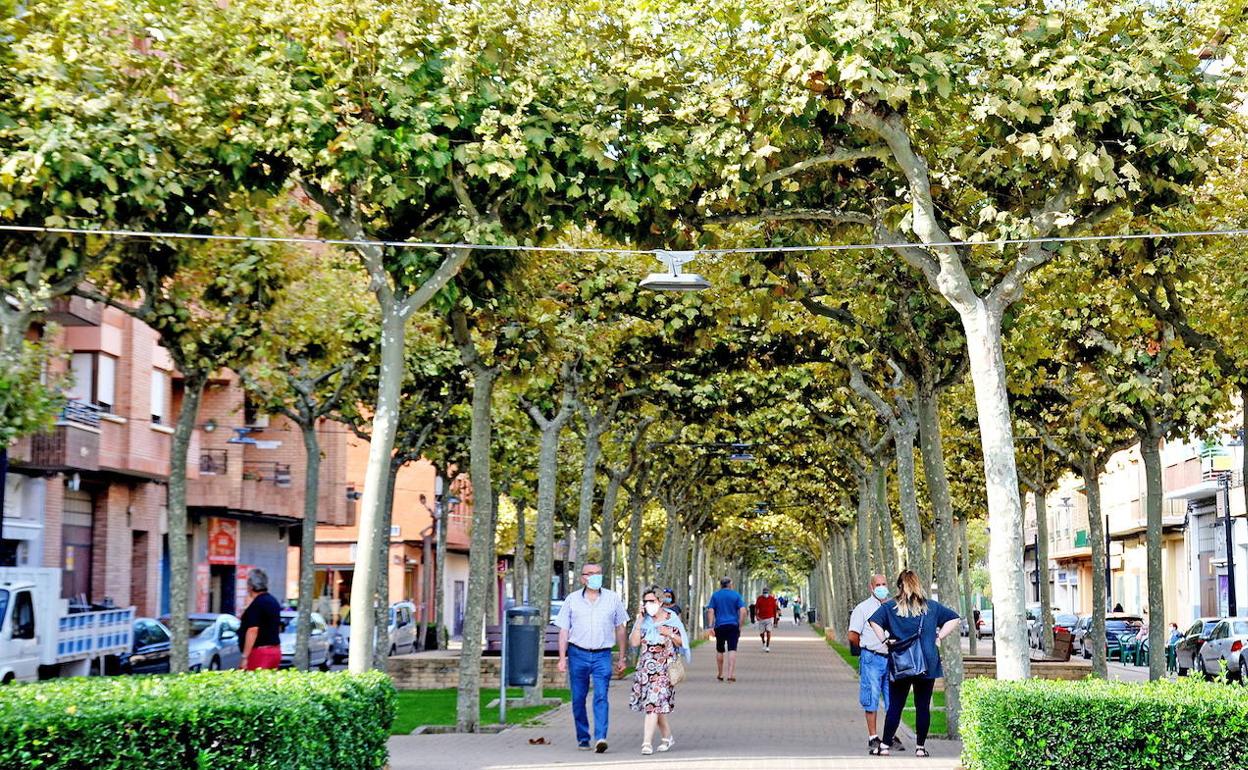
<point x="400" y="130"/>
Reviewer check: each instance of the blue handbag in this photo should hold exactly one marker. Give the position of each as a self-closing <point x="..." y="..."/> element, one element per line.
<point x="906" y="659"/>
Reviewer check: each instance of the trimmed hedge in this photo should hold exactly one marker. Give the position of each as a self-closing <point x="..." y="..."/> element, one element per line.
<point x="231" y="720"/>
<point x="1037" y="724"/>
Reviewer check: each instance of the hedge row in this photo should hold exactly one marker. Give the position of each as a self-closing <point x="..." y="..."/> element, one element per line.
<point x="231" y="720"/>
<point x="1038" y="724"/>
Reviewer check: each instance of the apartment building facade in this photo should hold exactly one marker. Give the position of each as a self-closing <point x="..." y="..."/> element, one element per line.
<point x="1199" y="480"/>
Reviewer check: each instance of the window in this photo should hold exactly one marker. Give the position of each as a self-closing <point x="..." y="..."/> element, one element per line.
<point x="23" y="616"/>
<point x="94" y="379"/>
<point x="160" y="396"/>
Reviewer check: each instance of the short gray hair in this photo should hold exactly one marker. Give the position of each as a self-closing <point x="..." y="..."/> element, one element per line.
<point x="257" y="580"/>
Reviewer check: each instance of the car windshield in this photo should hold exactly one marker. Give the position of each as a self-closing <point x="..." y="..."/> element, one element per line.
<point x="1209" y="624"/>
<point x="1239" y="628"/>
<point x="200" y="625"/>
<point x="4" y="602"/>
<point x="289" y="624"/>
<point x="1062" y="619"/>
<point x="1117" y="625"/>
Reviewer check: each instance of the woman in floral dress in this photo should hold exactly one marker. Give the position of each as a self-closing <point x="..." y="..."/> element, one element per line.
<point x="661" y="636"/>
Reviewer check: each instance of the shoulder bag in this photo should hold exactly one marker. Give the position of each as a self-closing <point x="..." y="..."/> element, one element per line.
<point x="676" y="667"/>
<point x="905" y="659"/>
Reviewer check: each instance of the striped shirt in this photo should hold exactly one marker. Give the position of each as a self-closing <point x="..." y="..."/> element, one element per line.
<point x="591" y="624"/>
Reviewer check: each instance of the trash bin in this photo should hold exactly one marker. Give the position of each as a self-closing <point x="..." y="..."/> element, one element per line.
<point x="523" y="649"/>
<point x="810" y="617"/>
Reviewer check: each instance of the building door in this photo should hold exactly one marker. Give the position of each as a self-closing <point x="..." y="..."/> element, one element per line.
<point x="221" y="588"/>
<point x="77" y="525"/>
<point x="458" y="625"/>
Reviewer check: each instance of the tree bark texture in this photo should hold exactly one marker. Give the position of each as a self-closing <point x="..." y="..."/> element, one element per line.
<point x="381" y="588"/>
<point x="884" y="520"/>
<point x="1042" y="568"/>
<point x="1005" y="511"/>
<point x="596" y="424"/>
<point x="968" y="600"/>
<point x="307" y="542"/>
<point x="867" y="561"/>
<point x="1151" y="452"/>
<point x="481" y="554"/>
<point x="609" y="501"/>
<point x="522" y="555"/>
<point x="179" y="545"/>
<point x="636" y="505"/>
<point x="1090" y="470"/>
<point x="372" y="504"/>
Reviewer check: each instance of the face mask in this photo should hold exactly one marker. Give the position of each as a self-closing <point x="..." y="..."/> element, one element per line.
<point x="881" y="592"/>
<point x="652" y="608"/>
<point x="593" y="582"/>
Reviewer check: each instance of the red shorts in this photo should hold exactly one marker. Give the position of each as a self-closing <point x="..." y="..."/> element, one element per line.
<point x="264" y="657"/>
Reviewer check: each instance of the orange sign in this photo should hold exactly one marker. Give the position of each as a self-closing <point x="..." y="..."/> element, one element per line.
<point x="222" y="541"/>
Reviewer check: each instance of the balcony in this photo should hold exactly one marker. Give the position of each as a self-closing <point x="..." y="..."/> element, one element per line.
<point x="213" y="462"/>
<point x="73" y="444"/>
<point x="75" y="311"/>
<point x="277" y="474"/>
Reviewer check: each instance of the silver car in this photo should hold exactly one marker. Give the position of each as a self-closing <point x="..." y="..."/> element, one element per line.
<point x="403" y="628"/>
<point x="214" y="642"/>
<point x="318" y="642"/>
<point x="1225" y="645"/>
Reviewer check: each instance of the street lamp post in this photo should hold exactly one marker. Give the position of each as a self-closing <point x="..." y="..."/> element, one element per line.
<point x="1229" y="526"/>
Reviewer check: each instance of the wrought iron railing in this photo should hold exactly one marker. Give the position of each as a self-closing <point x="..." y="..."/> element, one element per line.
<point x="213" y="462"/>
<point x="81" y="413"/>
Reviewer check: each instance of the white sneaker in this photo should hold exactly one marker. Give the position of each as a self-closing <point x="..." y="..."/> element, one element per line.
<point x="767" y="648"/>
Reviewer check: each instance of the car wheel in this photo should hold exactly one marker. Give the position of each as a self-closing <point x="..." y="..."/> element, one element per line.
<point x="324" y="664"/>
<point x="214" y="664"/>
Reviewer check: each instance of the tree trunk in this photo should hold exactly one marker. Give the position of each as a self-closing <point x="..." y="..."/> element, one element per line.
<point x="636" y="505"/>
<point x="481" y="558"/>
<point x="908" y="495"/>
<point x="865" y="528"/>
<point x="522" y="554"/>
<point x="179" y="547"/>
<point x="1005" y="512"/>
<point x="884" y="518"/>
<point x="945" y="543"/>
<point x="589" y="474"/>
<point x="608" y="527"/>
<point x="372" y="505"/>
<point x="439" y="575"/>
<point x="968" y="600"/>
<point x="1150" y="450"/>
<point x="307" y="542"/>
<point x="1090" y="470"/>
<point x="848" y="592"/>
<point x="1042" y="568"/>
<point x="381" y="591"/>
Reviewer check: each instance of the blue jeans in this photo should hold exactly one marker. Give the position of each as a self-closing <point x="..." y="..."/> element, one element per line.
<point x="872" y="681"/>
<point x="582" y="666"/>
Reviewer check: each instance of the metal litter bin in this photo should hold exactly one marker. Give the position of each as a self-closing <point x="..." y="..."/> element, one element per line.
<point x="521" y="662"/>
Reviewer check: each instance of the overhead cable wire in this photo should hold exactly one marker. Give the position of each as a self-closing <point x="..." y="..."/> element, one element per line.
<point x="434" y="245"/>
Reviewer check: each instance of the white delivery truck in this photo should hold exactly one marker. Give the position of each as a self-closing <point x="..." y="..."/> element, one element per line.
<point x="41" y="638"/>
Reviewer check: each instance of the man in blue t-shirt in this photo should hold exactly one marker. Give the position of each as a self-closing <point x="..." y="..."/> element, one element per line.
<point x="725" y="614"/>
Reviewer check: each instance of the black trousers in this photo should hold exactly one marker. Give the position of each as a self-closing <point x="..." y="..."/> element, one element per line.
<point x="898" y="691"/>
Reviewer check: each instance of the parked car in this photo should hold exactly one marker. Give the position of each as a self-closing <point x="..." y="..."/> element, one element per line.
<point x="1116" y="624"/>
<point x="1187" y="648"/>
<point x="403" y="631"/>
<point x="1079" y="633"/>
<point x="148" y="653"/>
<point x="318" y="642"/>
<point x="1225" y="645"/>
<point x="984" y="627"/>
<point x="214" y="642"/>
<point x="1062" y="621"/>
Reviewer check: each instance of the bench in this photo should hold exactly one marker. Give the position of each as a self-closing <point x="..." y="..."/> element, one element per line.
<point x="494" y="640"/>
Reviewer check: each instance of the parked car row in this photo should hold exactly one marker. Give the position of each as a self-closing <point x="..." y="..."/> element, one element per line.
<point x="1211" y="642"/>
<point x="403" y="633"/>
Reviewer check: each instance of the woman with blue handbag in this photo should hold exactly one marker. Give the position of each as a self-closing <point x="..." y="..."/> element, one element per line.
<point x="912" y="625"/>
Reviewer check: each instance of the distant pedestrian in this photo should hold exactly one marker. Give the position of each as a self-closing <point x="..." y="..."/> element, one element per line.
<point x="725" y="616"/>
<point x="590" y="622"/>
<point x="1175" y="634"/>
<point x="912" y="619"/>
<point x="872" y="661"/>
<point x="669" y="602"/>
<point x="1118" y="607"/>
<point x="753" y="613"/>
<point x="768" y="612"/>
<point x="662" y="638"/>
<point x="261" y="625"/>
<point x="797" y="612"/>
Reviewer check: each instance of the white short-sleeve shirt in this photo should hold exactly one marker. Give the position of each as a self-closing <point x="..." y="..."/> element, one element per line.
<point x="859" y="625"/>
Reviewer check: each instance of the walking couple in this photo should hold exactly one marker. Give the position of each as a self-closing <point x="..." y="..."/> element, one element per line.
<point x="590" y="622"/>
<point x="896" y="636"/>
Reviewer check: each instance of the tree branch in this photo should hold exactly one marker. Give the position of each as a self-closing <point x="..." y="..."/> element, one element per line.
<point x="838" y="156"/>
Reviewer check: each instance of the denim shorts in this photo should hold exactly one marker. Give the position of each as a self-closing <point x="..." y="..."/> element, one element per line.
<point x="872" y="681"/>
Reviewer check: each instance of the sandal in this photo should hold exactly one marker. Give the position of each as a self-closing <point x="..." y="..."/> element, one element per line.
<point x="647" y="748"/>
<point x="919" y="751"/>
<point x="666" y="743"/>
<point x="879" y="750"/>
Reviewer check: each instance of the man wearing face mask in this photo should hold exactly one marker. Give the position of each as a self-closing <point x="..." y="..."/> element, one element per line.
<point x="590" y="622"/>
<point x="873" y="663"/>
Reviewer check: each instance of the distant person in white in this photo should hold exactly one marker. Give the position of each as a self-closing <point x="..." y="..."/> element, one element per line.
<point x="590" y="622"/>
<point x="873" y="660"/>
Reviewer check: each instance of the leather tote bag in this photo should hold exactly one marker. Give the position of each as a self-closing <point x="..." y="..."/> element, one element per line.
<point x="906" y="658"/>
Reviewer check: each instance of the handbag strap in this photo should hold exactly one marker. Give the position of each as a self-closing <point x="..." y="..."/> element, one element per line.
<point x="905" y="645"/>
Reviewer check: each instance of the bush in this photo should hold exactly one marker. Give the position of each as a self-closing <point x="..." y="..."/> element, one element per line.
<point x="1038" y="724"/>
<point x="221" y="720"/>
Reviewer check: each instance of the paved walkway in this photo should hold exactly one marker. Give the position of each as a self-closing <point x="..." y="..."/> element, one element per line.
<point x="795" y="708"/>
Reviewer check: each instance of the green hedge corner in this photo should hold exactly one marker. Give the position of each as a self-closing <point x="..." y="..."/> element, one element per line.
<point x="1036" y="724"/>
<point x="260" y="720"/>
